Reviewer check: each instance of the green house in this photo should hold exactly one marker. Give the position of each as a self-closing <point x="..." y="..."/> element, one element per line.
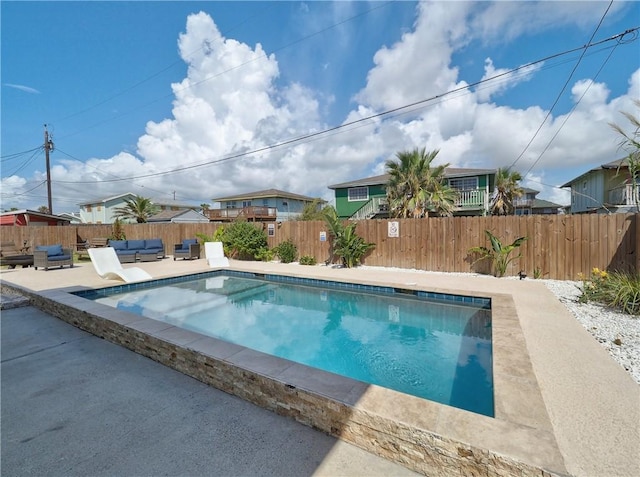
<point x="367" y="198"/>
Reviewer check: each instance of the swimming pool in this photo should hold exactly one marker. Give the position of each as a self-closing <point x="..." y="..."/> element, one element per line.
<point x="437" y="347"/>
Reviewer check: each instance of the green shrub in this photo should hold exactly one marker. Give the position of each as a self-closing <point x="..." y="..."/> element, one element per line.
<point x="617" y="290"/>
<point x="307" y="260"/>
<point x="244" y="240"/>
<point x="265" y="255"/>
<point x="287" y="252"/>
<point x="218" y="236"/>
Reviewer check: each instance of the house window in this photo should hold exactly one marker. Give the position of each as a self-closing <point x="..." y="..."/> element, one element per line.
<point x="464" y="183"/>
<point x="246" y="203"/>
<point x="231" y="205"/>
<point x="358" y="193"/>
<point x="88" y="208"/>
<point x="99" y="208"/>
<point x="265" y="202"/>
<point x="523" y="211"/>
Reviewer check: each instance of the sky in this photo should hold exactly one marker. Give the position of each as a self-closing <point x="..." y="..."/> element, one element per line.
<point x="192" y="101"/>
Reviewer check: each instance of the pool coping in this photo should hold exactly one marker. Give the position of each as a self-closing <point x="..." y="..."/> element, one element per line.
<point x="422" y="435"/>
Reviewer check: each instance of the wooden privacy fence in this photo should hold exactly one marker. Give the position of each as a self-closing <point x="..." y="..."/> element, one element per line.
<point x="559" y="246"/>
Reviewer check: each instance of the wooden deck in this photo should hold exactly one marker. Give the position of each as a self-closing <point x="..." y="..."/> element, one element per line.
<point x="252" y="214"/>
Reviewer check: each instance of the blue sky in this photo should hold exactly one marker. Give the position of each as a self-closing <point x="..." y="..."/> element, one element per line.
<point x="133" y="91"/>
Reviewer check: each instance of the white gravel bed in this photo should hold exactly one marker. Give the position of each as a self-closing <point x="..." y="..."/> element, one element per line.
<point x="618" y="332"/>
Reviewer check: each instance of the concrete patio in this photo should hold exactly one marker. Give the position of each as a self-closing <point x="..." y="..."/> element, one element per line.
<point x="591" y="405"/>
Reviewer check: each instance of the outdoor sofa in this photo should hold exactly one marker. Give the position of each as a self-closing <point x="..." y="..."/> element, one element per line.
<point x="144" y="250"/>
<point x="47" y="256"/>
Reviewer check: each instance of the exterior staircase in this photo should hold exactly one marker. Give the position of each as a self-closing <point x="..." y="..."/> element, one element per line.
<point x="370" y="209"/>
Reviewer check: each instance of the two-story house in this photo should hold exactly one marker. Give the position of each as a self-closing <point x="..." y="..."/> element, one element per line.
<point x="102" y="211"/>
<point x="605" y="189"/>
<point x="367" y="198"/>
<point x="259" y="206"/>
<point x="529" y="204"/>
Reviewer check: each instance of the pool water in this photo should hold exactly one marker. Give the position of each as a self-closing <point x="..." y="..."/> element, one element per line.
<point x="432" y="350"/>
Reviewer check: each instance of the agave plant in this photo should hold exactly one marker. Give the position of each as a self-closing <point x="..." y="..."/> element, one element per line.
<point x="498" y="254"/>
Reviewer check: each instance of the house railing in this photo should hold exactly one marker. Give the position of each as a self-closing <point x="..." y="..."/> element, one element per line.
<point x="370" y="209"/>
<point x="624" y="195"/>
<point x="248" y="213"/>
<point x="521" y="202"/>
<point x="471" y="199"/>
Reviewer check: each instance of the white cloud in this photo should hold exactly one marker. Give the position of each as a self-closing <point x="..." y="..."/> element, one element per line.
<point x="231" y="102"/>
<point x="21" y="87"/>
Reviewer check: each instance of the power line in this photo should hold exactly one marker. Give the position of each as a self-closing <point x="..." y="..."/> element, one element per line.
<point x="389" y="112"/>
<point x="17" y="155"/>
<point x="152" y="76"/>
<point x="213" y="76"/>
<point x="572" y="111"/>
<point x="161" y="192"/>
<point x="562" y="90"/>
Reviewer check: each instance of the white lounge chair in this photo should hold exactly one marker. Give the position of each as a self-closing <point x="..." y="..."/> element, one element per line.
<point x="215" y="255"/>
<point x="106" y="263"/>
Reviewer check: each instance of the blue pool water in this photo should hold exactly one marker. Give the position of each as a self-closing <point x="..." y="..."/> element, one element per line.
<point x="430" y="349"/>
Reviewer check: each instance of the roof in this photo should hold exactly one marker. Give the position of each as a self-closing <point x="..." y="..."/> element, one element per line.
<point x="610" y="165"/>
<point x="169" y="215"/>
<point x="107" y="199"/>
<point x="164" y="202"/>
<point x="34" y="213"/>
<point x="264" y="194"/>
<point x="7" y="218"/>
<point x="545" y="204"/>
<point x="449" y="172"/>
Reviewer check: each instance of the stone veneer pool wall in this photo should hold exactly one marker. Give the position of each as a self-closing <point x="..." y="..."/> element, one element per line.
<point x="427" y="437"/>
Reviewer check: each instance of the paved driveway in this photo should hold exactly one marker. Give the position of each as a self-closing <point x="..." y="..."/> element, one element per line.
<point x="74" y="404"/>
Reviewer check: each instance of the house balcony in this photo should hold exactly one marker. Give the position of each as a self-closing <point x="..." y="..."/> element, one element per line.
<point x="251" y="214"/>
<point x="472" y="199"/>
<point x="624" y="195"/>
<point x="522" y="203"/>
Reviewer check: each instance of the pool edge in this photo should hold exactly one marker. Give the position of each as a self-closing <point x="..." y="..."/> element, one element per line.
<point x="424" y="436"/>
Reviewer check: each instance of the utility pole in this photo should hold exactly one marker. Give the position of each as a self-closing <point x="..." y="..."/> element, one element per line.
<point x="48" y="146"/>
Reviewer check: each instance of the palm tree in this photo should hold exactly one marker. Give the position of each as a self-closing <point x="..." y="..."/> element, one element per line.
<point x="631" y="142"/>
<point x="506" y="190"/>
<point x="443" y="199"/>
<point x="138" y="209"/>
<point x="415" y="188"/>
<point x="204" y="207"/>
<point x="314" y="210"/>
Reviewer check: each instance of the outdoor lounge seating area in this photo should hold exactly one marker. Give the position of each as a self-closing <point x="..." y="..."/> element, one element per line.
<point x="128" y="251"/>
<point x="187" y="249"/>
<point x="47" y="256"/>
